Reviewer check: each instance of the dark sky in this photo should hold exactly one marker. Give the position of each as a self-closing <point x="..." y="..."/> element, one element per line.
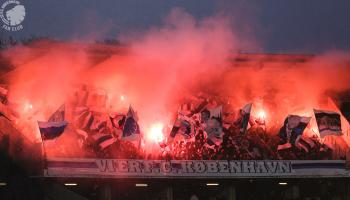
<point x="294" y="26"/>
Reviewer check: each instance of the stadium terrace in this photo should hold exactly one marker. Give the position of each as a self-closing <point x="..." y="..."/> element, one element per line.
<point x="258" y="116"/>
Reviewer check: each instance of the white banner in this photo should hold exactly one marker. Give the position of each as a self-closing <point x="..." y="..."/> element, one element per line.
<point x="193" y="168"/>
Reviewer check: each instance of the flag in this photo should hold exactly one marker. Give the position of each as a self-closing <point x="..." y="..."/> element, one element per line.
<point x="99" y="123"/>
<point x="103" y="140"/>
<point x="213" y="126"/>
<point x="244" y="116"/>
<point x="55" y="125"/>
<point x="284" y="137"/>
<point x="58" y="116"/>
<point x="305" y="143"/>
<point x="51" y="130"/>
<point x="118" y="121"/>
<point x="131" y="129"/>
<point x="293" y="127"/>
<point x="328" y="122"/>
<point x="83" y="118"/>
<point x="184" y="126"/>
<point x="175" y="129"/>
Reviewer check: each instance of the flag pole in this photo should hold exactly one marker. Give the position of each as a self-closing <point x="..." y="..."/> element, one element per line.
<point x="43" y="154"/>
<point x="44" y="157"/>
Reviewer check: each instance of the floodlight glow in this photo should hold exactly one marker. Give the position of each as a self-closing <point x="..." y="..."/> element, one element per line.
<point x="141" y="185"/>
<point x="212" y="184"/>
<point x="70" y="184"/>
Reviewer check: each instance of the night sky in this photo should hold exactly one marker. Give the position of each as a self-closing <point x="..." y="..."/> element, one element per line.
<point x="278" y="26"/>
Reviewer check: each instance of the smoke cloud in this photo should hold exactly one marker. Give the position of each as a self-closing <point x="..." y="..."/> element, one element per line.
<point x="162" y="65"/>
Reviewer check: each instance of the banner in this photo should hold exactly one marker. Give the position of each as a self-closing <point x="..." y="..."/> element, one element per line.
<point x="99" y="168"/>
<point x="328" y="122"/>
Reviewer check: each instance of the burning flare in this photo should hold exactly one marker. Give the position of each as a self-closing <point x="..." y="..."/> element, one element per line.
<point x="155" y="132"/>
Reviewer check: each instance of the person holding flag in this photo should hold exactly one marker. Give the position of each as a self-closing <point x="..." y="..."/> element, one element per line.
<point x="52" y="129"/>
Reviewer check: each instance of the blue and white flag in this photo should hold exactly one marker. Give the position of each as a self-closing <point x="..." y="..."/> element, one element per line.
<point x="328" y="122"/>
<point x="51" y="130"/>
<point x="131" y="129"/>
<point x="293" y="128"/>
<point x="55" y="126"/>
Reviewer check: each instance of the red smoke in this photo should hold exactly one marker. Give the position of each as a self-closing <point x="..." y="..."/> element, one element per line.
<point x="163" y="65"/>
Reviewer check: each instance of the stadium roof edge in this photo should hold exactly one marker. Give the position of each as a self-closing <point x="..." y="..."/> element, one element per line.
<point x="270" y="57"/>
